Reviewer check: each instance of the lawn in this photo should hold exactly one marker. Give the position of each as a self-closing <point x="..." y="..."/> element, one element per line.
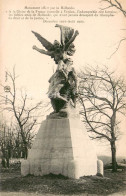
<point x="13" y="184"/>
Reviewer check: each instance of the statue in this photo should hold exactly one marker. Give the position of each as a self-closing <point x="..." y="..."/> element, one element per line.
<point x="61" y="145"/>
<point x="63" y="83"/>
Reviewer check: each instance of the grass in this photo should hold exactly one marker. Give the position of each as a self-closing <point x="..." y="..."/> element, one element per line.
<point x="12" y="183"/>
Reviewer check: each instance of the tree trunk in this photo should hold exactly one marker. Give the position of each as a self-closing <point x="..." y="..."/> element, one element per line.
<point x="113" y="150"/>
<point x="3" y="162"/>
<point x="24" y="142"/>
<point x="26" y="151"/>
<point x="8" y="162"/>
<point x="113" y="146"/>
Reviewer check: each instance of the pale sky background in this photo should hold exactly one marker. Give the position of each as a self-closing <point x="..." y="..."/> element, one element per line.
<point x="97" y="40"/>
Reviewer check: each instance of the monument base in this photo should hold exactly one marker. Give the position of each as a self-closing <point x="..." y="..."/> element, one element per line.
<point x="62" y="146"/>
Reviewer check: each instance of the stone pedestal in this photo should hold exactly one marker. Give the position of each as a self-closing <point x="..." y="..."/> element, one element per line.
<point x="62" y="146"/>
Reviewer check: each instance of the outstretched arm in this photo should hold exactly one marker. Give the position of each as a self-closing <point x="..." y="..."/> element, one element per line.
<point x="49" y="53"/>
<point x="72" y="39"/>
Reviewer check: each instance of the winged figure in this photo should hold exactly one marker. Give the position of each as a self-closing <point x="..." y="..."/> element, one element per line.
<point x="58" y="50"/>
<point x="63" y="83"/>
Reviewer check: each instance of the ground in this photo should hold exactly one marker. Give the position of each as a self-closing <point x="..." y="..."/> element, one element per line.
<point x="13" y="184"/>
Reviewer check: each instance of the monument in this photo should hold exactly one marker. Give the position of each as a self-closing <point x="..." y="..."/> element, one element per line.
<point x="62" y="145"/>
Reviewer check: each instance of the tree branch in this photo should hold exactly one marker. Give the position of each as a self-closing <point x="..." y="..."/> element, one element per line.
<point x="117" y="5"/>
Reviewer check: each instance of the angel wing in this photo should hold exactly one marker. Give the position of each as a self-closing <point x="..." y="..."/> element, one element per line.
<point x="66" y="33"/>
<point x="48" y="45"/>
<point x="67" y="37"/>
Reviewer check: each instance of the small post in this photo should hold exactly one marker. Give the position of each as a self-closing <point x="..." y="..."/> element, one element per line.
<point x="100" y="168"/>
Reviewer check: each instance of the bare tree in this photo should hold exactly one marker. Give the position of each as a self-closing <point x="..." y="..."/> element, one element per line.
<point x="114" y="4"/>
<point x="7" y="143"/>
<point x="102" y="96"/>
<point x="118" y="46"/>
<point x="24" y="112"/>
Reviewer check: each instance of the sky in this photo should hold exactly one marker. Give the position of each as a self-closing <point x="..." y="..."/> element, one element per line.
<point x="98" y="38"/>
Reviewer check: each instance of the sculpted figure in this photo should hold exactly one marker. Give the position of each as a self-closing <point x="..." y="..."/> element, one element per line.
<point x="63" y="83"/>
<point x="58" y="51"/>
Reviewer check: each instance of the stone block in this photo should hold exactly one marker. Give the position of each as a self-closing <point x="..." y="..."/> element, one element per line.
<point x="100" y="168"/>
<point x="25" y="169"/>
<point x="62" y="146"/>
